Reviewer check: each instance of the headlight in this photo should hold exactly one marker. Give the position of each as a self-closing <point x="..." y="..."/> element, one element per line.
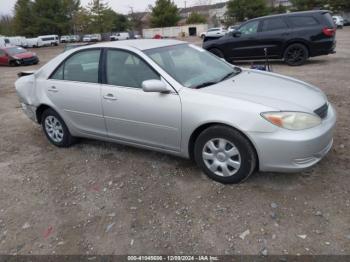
<point x="15" y="57"/>
<point x="292" y="120"/>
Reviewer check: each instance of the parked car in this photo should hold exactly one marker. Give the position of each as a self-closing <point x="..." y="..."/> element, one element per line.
<point x="65" y="39"/>
<point x="293" y="37"/>
<point x="339" y="21"/>
<point x="232" y="28"/>
<point x="214" y="32"/>
<point x="96" y="38"/>
<point x="49" y="40"/>
<point x="72" y="46"/>
<point x="14" y="56"/>
<point x="87" y="38"/>
<point x="177" y="98"/>
<point x="120" y="36"/>
<point x="74" y="38"/>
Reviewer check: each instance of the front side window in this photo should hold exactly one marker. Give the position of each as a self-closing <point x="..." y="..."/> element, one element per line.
<point x="126" y="69"/>
<point x="274" y="24"/>
<point x="82" y="67"/>
<point x="249" y="28"/>
<point x="191" y="66"/>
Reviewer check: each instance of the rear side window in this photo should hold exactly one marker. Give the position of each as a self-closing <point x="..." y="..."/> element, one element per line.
<point x="328" y="20"/>
<point x="81" y="67"/>
<point x="274" y="24"/>
<point x="302" y="21"/>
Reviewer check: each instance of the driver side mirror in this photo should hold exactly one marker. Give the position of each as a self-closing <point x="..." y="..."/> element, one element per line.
<point x="236" y="33"/>
<point x="155" y="85"/>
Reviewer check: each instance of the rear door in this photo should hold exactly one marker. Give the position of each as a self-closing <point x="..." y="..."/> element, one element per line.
<point x="75" y="91"/>
<point x="274" y="33"/>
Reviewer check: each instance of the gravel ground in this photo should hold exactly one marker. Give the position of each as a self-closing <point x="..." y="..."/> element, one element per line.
<point x="104" y="198"/>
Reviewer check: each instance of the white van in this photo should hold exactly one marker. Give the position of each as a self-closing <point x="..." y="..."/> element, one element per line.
<point x="96" y="38"/>
<point x="15" y="40"/>
<point x="120" y="36"/>
<point x="2" y="42"/>
<point x="34" y="42"/>
<point x="49" y="40"/>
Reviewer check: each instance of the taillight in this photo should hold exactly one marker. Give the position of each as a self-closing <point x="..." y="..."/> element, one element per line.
<point x="328" y="31"/>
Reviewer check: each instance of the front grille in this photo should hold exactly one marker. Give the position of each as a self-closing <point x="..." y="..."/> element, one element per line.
<point x="29" y="59"/>
<point x="322" y="111"/>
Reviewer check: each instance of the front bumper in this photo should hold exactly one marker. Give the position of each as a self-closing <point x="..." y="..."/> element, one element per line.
<point x="27" y="61"/>
<point x="294" y="151"/>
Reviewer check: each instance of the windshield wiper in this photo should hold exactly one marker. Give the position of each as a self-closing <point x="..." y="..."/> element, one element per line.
<point x="205" y="84"/>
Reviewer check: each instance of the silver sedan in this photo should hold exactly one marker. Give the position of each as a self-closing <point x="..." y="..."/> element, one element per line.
<point x="177" y="98"/>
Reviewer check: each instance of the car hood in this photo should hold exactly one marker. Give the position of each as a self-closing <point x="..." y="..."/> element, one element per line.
<point x="23" y="55"/>
<point x="272" y="90"/>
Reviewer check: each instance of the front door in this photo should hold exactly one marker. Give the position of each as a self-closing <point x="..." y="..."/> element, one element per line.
<point x="245" y="43"/>
<point x="132" y="115"/>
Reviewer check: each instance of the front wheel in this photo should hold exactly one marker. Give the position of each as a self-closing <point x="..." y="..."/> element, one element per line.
<point x="296" y="54"/>
<point x="55" y="129"/>
<point x="225" y="155"/>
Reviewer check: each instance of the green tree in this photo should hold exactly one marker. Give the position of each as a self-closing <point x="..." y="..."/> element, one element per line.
<point x="7" y="25"/>
<point x="100" y="16"/>
<point x="164" y="13"/>
<point x="23" y="18"/>
<point x="246" y="9"/>
<point x="302" y="5"/>
<point x="338" y="5"/>
<point x="81" y="21"/>
<point x="50" y="17"/>
<point x="70" y="10"/>
<point x="196" y="18"/>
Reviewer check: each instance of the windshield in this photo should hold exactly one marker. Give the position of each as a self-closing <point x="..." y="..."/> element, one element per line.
<point x="15" y="50"/>
<point x="192" y="66"/>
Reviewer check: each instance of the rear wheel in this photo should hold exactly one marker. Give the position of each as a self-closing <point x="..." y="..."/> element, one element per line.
<point x="224" y="154"/>
<point x="296" y="54"/>
<point x="55" y="129"/>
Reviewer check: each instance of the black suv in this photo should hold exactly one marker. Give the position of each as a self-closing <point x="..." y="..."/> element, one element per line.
<point x="293" y="37"/>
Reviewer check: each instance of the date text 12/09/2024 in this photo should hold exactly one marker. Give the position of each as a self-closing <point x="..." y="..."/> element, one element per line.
<point x="173" y="258"/>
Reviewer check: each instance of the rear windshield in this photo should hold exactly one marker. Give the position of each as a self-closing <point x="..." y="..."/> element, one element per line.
<point x="15" y="50"/>
<point x="328" y="19"/>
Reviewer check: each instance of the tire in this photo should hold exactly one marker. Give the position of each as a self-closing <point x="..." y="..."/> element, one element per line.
<point x="217" y="52"/>
<point x="296" y="54"/>
<point x="225" y="155"/>
<point x="60" y="136"/>
<point x="202" y="36"/>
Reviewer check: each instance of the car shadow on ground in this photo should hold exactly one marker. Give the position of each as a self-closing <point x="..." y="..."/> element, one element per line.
<point x="191" y="171"/>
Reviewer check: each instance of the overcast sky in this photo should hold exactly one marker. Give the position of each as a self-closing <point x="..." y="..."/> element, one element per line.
<point x="121" y="6"/>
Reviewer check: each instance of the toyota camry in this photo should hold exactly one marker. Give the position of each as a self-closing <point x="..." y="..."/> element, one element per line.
<point x="177" y="98"/>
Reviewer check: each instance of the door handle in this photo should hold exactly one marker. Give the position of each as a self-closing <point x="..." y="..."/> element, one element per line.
<point x="53" y="89"/>
<point x="110" y="97"/>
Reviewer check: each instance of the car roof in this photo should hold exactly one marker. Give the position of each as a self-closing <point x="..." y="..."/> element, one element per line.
<point x="141" y="44"/>
<point x="293" y="14"/>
